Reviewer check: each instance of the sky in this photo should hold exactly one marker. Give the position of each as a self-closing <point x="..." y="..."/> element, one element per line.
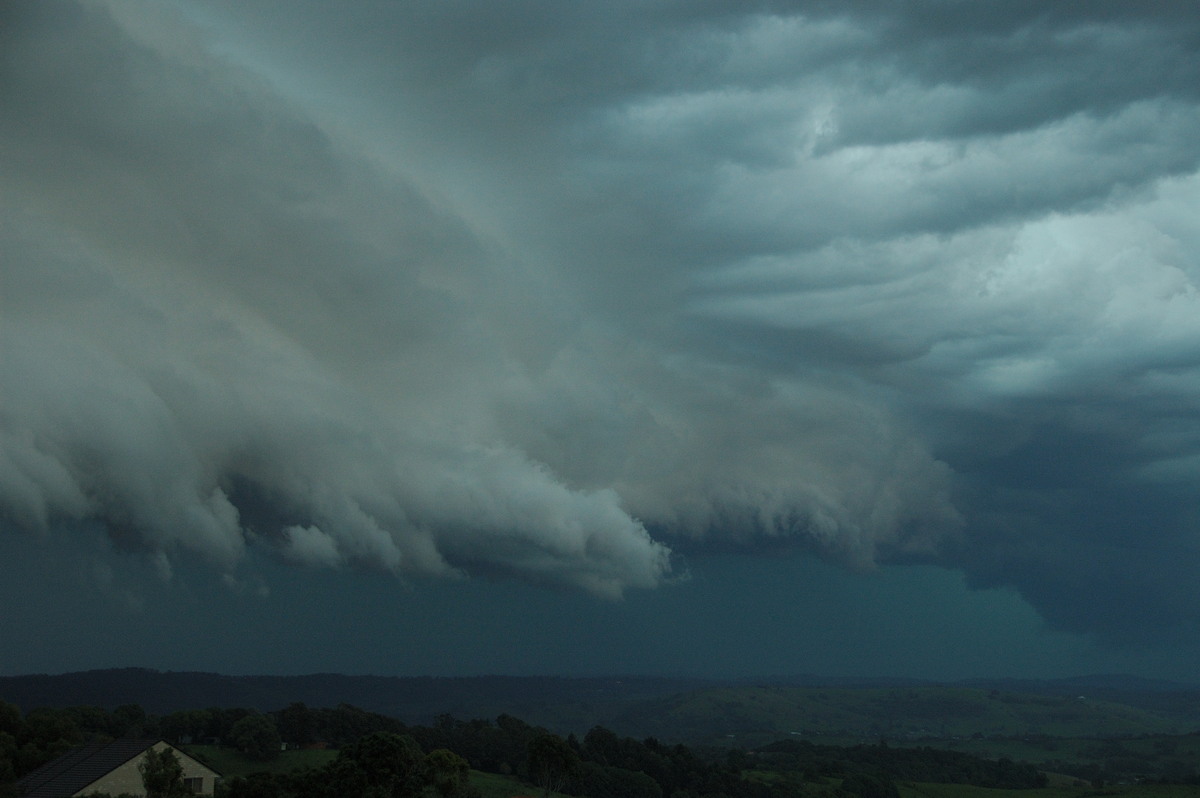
<point x="722" y="339"/>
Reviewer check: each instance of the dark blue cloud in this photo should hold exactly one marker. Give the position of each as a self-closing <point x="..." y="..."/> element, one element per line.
<point x="550" y="295"/>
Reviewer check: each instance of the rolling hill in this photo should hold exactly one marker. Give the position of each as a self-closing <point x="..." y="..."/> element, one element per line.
<point x="676" y="710"/>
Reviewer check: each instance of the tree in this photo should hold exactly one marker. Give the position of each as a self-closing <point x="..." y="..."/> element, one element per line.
<point x="603" y="746"/>
<point x="391" y="763"/>
<point x="447" y="773"/>
<point x="129" y="720"/>
<point x="862" y="785"/>
<point x="255" y="735"/>
<point x="295" y="723"/>
<point x="187" y="723"/>
<point x="551" y="762"/>
<point x="162" y="775"/>
<point x="258" y="785"/>
<point x="8" y="757"/>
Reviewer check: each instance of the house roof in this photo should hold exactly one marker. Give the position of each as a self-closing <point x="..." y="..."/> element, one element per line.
<point x="78" y="768"/>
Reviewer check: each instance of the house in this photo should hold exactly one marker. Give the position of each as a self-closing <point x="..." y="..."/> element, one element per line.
<point x="109" y="768"/>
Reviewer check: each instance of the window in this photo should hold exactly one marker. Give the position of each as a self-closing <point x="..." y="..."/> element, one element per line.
<point x="195" y="785"/>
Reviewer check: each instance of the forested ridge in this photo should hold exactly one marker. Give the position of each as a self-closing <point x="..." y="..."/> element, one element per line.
<point x="373" y="754"/>
<point x="577" y="703"/>
<point x="691" y="711"/>
<point x="379" y="755"/>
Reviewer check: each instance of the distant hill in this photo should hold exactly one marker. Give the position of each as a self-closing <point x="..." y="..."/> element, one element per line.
<point x="561" y="704"/>
<point x="1180" y="702"/>
<point x="674" y="710"/>
<point x="756" y="714"/>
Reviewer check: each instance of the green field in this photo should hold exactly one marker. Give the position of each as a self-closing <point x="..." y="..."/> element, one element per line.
<point x="1060" y="788"/>
<point x="1170" y="756"/>
<point x="494" y="785"/>
<point x="1130" y="790"/>
<point x="231" y="764"/>
<point x="746" y="716"/>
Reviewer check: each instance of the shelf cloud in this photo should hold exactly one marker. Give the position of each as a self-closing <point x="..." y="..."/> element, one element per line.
<point x="569" y="294"/>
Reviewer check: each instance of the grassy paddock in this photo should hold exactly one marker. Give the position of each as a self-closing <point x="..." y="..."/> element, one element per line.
<point x="922" y="790"/>
<point x="494" y="785"/>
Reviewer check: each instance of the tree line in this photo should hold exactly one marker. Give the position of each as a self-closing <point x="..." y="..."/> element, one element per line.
<point x="379" y="756"/>
<point x="901" y="764"/>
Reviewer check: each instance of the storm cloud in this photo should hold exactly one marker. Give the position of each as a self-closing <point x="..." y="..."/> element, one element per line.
<point x="556" y="293"/>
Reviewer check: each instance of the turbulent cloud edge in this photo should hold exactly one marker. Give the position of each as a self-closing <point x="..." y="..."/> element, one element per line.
<point x="557" y="301"/>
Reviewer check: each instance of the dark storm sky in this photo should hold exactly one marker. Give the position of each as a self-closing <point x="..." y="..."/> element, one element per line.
<point x="708" y="338"/>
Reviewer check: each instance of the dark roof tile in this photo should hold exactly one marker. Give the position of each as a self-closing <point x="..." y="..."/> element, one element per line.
<point x="78" y="768"/>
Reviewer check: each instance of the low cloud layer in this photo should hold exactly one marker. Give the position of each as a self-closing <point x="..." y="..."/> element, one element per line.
<point x="551" y="292"/>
